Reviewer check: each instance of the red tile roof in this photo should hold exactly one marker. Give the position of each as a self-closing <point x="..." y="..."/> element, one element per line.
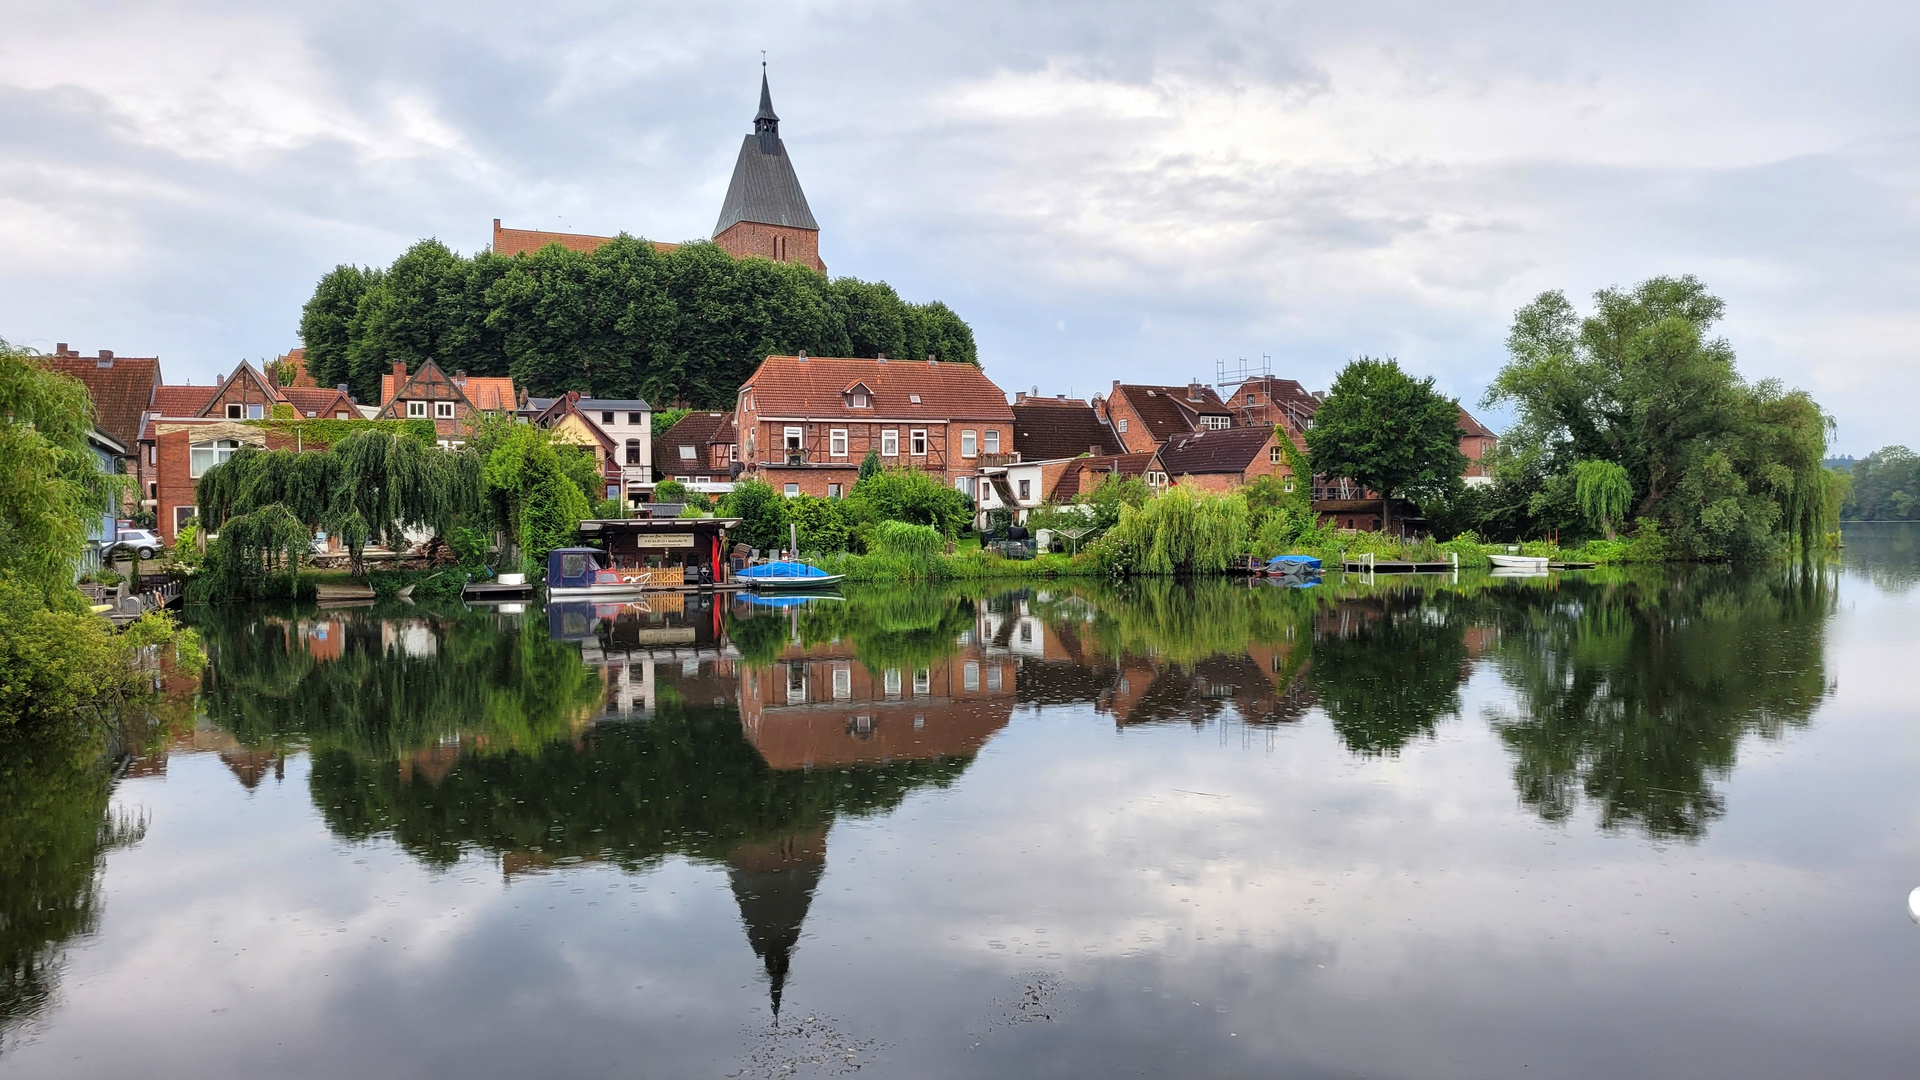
<point x="1048" y="429"/>
<point x="312" y="400"/>
<point x="787" y="386"/>
<point x="1474" y="427"/>
<point x="528" y="241"/>
<point x="295" y="360"/>
<point x="1082" y="474"/>
<point x="1228" y="451"/>
<point x="1287" y="396"/>
<point x="182" y="401"/>
<point x="696" y="429"/>
<point x="1171" y="410"/>
<point x="489" y="393"/>
<point x="121" y="390"/>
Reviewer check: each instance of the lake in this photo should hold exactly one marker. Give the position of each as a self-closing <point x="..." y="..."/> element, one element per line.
<point x="1647" y="822"/>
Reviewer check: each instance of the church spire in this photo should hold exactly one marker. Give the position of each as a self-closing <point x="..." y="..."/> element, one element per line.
<point x="766" y="122"/>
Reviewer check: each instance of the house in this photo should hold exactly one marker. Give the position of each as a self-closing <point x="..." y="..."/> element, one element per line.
<point x="1223" y="460"/>
<point x="186" y="430"/>
<point x="699" y="450"/>
<point x="121" y="387"/>
<point x="1477" y="441"/>
<point x="291" y="369"/>
<point x="1050" y="434"/>
<point x="1264" y="401"/>
<point x="1083" y="475"/>
<point x="805" y="423"/>
<point x="1145" y="417"/>
<point x="108" y="453"/>
<point x="764" y="214"/>
<point x="454" y="404"/>
<point x="620" y="431"/>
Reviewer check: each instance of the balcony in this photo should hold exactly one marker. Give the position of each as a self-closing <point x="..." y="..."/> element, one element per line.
<point x="991" y="460"/>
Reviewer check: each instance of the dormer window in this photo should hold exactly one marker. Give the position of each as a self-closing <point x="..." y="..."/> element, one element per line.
<point x="858" y="396"/>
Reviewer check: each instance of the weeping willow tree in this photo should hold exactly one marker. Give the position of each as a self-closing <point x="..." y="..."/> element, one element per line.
<point x="529" y="494"/>
<point x="389" y="483"/>
<point x="258" y="555"/>
<point x="1604" y="492"/>
<point x="1178" y="532"/>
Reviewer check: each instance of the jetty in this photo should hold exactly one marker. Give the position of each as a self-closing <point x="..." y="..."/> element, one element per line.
<point x="1367" y="564"/>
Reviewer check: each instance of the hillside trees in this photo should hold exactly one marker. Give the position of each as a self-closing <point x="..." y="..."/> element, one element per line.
<point x="1886" y="486"/>
<point x="627" y="320"/>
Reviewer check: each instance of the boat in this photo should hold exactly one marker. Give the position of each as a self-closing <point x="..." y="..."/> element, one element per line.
<point x="582" y="571"/>
<point x="1293" y="566"/>
<point x="1518" y="571"/>
<point x="775" y="576"/>
<point x="1519" y="562"/>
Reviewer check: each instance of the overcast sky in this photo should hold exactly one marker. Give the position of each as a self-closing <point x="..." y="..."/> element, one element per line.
<point x="1115" y="191"/>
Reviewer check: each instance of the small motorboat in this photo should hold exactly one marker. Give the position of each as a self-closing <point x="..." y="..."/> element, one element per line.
<point x="785" y="576"/>
<point x="1519" y="562"/>
<point x="1296" y="567"/>
<point x="579" y="571"/>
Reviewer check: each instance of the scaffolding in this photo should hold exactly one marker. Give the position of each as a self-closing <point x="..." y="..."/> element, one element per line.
<point x="1230" y="375"/>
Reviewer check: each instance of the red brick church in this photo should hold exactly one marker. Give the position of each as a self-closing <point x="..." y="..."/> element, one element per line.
<point x="765" y="212"/>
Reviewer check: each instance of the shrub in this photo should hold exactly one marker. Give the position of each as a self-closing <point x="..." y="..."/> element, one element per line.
<point x="1178" y="532"/>
<point x="826" y="525"/>
<point x="914" y="497"/>
<point x="670" y="491"/>
<point x="762" y="512"/>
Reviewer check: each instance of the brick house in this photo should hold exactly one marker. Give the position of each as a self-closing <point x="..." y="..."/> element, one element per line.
<point x="1082" y="475"/>
<point x="1051" y="434"/>
<point x="454" y="404"/>
<point x="1145" y="417"/>
<point x="1477" y="441"/>
<point x="1223" y="460"/>
<point x="764" y="214"/>
<point x="806" y="423"/>
<point x="698" y="449"/>
<point x="121" y="388"/>
<point x="1264" y="401"/>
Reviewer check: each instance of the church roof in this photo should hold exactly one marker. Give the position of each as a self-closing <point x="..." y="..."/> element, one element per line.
<point x="764" y="188"/>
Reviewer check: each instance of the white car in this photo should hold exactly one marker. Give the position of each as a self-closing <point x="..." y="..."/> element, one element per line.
<point x="142" y="541"/>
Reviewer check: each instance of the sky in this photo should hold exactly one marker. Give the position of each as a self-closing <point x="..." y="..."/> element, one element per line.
<point x="1120" y="191"/>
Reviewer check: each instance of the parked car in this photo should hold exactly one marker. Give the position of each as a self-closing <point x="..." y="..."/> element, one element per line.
<point x="143" y="541"/>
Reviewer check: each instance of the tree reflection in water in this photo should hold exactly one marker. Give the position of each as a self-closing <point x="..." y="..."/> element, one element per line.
<point x="1635" y="691"/>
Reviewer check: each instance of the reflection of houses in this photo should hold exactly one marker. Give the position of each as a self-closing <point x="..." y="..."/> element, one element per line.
<point x="819" y="706"/>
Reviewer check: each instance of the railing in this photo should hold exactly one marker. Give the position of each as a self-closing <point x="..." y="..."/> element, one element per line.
<point x="999" y="459"/>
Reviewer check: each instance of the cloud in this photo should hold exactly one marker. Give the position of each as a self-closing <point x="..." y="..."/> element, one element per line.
<point x="1175" y="184"/>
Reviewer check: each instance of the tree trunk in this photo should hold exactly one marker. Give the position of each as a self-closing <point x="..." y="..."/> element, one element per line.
<point x="1386" y="515"/>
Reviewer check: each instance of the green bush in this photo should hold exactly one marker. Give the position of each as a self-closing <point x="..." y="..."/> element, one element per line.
<point x="914" y="497"/>
<point x="670" y="491"/>
<point x="762" y="512"/>
<point x="1177" y="532"/>
<point x="826" y="525"/>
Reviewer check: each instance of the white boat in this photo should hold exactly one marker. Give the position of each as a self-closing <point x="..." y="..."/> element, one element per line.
<point x="1520" y="562"/>
<point x="577" y="572"/>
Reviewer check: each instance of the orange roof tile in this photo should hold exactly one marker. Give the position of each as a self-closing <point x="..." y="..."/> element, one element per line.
<point x="121" y="390"/>
<point x="182" y="401"/>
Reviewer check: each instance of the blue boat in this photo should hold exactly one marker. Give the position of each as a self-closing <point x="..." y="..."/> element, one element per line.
<point x="1293" y="566"/>
<point x="785" y="576"/>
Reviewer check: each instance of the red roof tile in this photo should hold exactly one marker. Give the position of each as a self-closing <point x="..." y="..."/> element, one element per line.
<point x="121" y="390"/>
<point x="1171" y="410"/>
<point x="182" y="401"/>
<point x="528" y="241"/>
<point x="1082" y="474"/>
<point x="314" y="401"/>
<point x="787" y="386"/>
<point x="1474" y="427"/>
<point x="696" y="429"/>
<point x="1048" y="429"/>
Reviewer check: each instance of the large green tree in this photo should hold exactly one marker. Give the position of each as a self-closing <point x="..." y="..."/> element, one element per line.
<point x="1731" y="469"/>
<point x="1389" y="432"/>
<point x="628" y="319"/>
<point x="1886" y="486"/>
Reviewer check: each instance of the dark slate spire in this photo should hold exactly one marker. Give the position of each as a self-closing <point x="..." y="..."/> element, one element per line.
<point x="764" y="188"/>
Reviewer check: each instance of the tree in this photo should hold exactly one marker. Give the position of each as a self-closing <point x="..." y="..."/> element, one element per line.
<point x="52" y="486"/>
<point x="1604" y="493"/>
<point x="869" y="465"/>
<point x="1388" y="432"/>
<point x="326" y="323"/>
<point x="1886" y="486"/>
<point x="762" y="512"/>
<point x="911" y="496"/>
<point x="1727" y="468"/>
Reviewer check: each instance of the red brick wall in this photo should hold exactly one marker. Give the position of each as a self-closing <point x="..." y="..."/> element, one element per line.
<point x="942" y="459"/>
<point x="812" y="480"/>
<point x="241" y="392"/>
<point x="801" y="246"/>
<point x="1137" y="437"/>
<point x="174" y="473"/>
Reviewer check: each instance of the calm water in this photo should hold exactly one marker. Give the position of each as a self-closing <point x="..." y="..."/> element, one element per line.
<point x="1657" y="824"/>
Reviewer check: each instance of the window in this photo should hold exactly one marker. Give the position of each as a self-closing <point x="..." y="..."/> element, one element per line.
<point x="153" y="453"/>
<point x="633" y="451"/>
<point x="311" y="414"/>
<point x="993" y="677"/>
<point x="1250" y="397"/>
<point x="1273" y="455"/>
<point x="443" y="410"/>
<point x="833" y="491"/>
<point x="182" y="515"/>
<point x="964" y="485"/>
<point x="634" y="419"/>
<point x="340" y="416"/>
<point x="681" y="479"/>
<point x="255" y="412"/>
<point x="1287" y="486"/>
<point x="416" y="409"/>
<point x="703" y="479"/>
<point x="1216" y="423"/>
<point x="153" y="489"/>
<point x="205" y="455"/>
<point x="891" y="681"/>
<point x="233" y="412"/>
<point x="970" y="675"/>
<point x="1121" y="424"/>
<point x="1026" y="490"/>
<point x="796" y="683"/>
<point x="969" y="444"/>
<point x="793" y="438"/>
<point x="922" y="681"/>
<point x="793" y="490"/>
<point x="686" y="453"/>
<point x="889" y="443"/>
<point x="993" y="440"/>
<point x="917" y="442"/>
<point x="606" y="417"/>
<point x="860" y="399"/>
<point x="913" y="399"/>
<point x="837" y="442"/>
<point x="842" y="681"/>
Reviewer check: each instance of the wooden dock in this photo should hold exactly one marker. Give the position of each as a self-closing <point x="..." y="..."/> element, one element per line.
<point x="1367" y="564"/>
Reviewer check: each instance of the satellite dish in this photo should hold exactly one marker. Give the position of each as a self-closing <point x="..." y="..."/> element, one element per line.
<point x="1913" y="905"/>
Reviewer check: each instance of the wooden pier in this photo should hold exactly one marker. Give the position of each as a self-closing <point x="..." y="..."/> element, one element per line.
<point x="1367" y="564"/>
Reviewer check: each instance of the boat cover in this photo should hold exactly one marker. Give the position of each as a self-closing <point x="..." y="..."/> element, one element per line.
<point x="782" y="571"/>
<point x="573" y="567"/>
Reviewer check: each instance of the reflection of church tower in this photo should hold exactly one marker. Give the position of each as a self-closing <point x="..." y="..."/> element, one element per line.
<point x="773" y="884"/>
<point x="765" y="212"/>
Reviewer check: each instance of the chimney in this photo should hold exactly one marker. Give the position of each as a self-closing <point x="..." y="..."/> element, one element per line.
<point x="1019" y="396"/>
<point x="341" y="387"/>
<point x="106" y="354"/>
<point x="1193" y="391"/>
<point x="460" y="378"/>
<point x="881" y="358"/>
<point x="1062" y="397"/>
<point x="803" y="355"/>
<point x="1094" y="450"/>
<point x="399" y="369"/>
<point x="60" y="349"/>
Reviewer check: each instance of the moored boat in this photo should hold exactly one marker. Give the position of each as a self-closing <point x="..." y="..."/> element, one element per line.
<point x="582" y="571"/>
<point x="785" y="576"/>
<point x="1520" y="562"/>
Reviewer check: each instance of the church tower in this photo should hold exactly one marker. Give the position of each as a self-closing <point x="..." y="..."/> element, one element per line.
<point x="766" y="212"/>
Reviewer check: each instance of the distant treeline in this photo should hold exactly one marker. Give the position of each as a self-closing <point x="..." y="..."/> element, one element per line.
<point x="628" y="320"/>
<point x="1886" y="487"/>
